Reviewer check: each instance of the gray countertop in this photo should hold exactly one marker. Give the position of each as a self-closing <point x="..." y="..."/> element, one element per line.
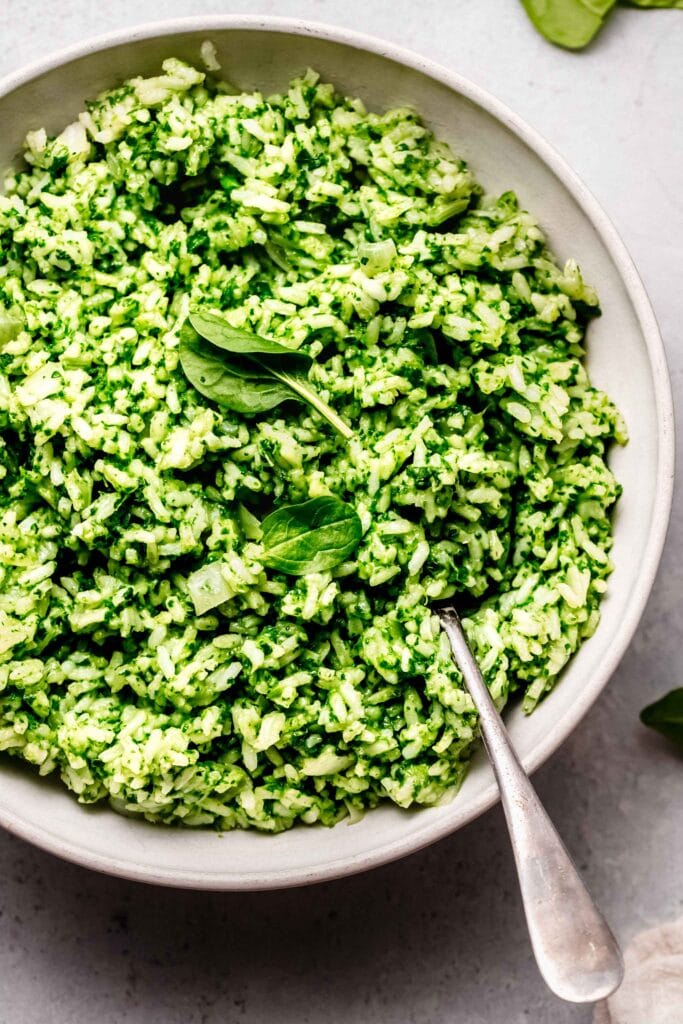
<point x="438" y="937"/>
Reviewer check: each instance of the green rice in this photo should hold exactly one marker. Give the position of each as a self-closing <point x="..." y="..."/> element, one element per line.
<point x="443" y="331"/>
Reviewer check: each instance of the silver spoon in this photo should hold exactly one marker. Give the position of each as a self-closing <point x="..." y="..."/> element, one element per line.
<point x="575" y="951"/>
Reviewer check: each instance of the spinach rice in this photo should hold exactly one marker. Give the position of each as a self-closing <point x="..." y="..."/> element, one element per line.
<point x="440" y="330"/>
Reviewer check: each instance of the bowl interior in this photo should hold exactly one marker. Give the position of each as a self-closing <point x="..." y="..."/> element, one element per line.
<point x="625" y="359"/>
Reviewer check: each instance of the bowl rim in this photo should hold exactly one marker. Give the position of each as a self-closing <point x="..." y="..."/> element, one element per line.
<point x="44" y="837"/>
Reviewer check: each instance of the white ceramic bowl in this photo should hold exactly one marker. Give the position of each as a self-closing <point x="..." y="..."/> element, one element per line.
<point x="626" y="358"/>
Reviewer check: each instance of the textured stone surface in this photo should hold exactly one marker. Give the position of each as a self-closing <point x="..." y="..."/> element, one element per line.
<point x="439" y="937"/>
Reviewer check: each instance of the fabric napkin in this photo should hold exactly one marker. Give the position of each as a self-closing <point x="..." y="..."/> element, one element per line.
<point x="652" y="991"/>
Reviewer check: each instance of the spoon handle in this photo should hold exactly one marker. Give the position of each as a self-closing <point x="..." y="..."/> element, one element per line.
<point x="574" y="948"/>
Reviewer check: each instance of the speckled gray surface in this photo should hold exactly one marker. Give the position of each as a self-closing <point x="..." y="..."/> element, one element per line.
<point x="440" y="936"/>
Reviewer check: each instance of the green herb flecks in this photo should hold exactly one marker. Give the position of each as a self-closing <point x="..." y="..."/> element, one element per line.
<point x="246" y="373"/>
<point x="313" y="536"/>
<point x="666" y="716"/>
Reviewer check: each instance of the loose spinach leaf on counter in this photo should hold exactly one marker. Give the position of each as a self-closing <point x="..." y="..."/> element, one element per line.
<point x="573" y="23"/>
<point x="247" y="373"/>
<point x="666" y="715"/>
<point x="568" y="23"/>
<point x="313" y="536"/>
<point x="654" y="3"/>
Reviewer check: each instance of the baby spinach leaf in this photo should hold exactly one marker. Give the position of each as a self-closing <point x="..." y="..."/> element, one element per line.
<point x="654" y="3"/>
<point x="573" y="23"/>
<point x="313" y="536"/>
<point x="229" y="384"/>
<point x="568" y="23"/>
<point x="258" y="373"/>
<point x="237" y="341"/>
<point x="666" y="715"/>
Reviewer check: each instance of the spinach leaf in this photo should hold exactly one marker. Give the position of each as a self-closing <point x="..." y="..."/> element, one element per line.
<point x="666" y="715"/>
<point x="568" y="23"/>
<point x="229" y="384"/>
<point x="310" y="537"/>
<point x="257" y="374"/>
<point x="573" y="23"/>
<point x="236" y="340"/>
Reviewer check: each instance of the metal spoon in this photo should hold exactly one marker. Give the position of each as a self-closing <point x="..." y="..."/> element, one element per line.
<point x="575" y="950"/>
